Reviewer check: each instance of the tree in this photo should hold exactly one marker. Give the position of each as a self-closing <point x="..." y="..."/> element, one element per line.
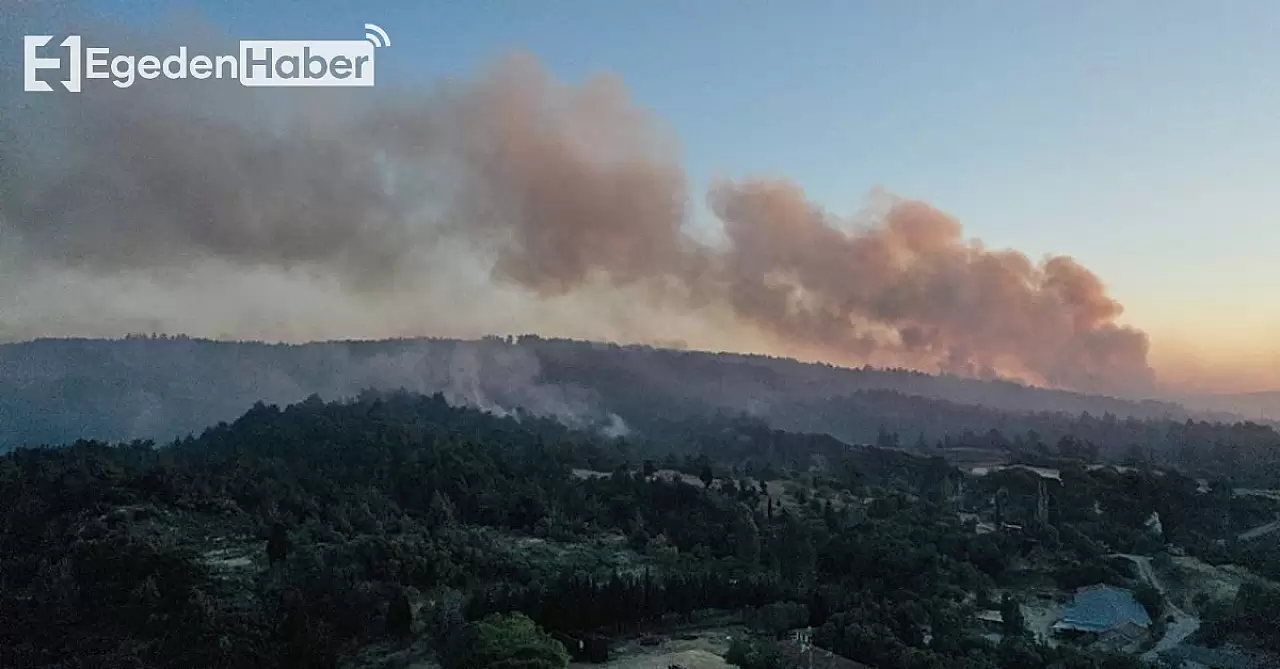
<point x="278" y="544"/>
<point x="1014" y="622"/>
<point x="707" y="476"/>
<point x="399" y="615"/>
<point x="739" y="653"/>
<point x="852" y="472"/>
<point x="761" y="654"/>
<point x="1150" y="599"/>
<point x="440" y="515"/>
<point x="746" y="536"/>
<point x="639" y="538"/>
<point x="445" y="613"/>
<point x="778" y="617"/>
<point x="883" y="438"/>
<point x="1135" y="456"/>
<point x="509" y="642"/>
<point x="662" y="550"/>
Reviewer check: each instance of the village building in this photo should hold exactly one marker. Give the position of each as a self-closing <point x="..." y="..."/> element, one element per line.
<point x="1109" y="612"/>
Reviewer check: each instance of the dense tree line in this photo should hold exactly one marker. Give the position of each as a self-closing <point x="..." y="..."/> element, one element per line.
<point x="1253" y="617"/>
<point x="294" y="537"/>
<point x="53" y="391"/>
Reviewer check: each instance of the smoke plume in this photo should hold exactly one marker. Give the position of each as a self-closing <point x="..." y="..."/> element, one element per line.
<point x="511" y="200"/>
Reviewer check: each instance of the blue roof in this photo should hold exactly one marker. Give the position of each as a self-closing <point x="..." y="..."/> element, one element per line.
<point x="1099" y="608"/>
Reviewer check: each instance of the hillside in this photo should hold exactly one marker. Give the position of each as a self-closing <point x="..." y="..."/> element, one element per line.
<point x="386" y="531"/>
<point x="53" y="391"/>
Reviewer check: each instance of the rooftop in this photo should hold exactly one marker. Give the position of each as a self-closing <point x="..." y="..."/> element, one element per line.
<point x="1098" y="608"/>
<point x="990" y="616"/>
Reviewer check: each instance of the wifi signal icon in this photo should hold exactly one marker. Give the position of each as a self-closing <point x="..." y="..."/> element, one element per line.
<point x="376" y="35"/>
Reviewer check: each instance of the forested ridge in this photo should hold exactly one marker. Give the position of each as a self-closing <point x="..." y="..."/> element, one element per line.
<point x="304" y="536"/>
<point x="58" y="390"/>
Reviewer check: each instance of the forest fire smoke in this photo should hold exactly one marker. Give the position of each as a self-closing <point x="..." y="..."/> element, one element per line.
<point x="550" y="187"/>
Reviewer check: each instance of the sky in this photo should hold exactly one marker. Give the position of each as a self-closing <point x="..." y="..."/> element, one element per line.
<point x="1141" y="138"/>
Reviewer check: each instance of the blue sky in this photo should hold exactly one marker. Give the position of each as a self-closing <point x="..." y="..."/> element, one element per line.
<point x="1141" y="137"/>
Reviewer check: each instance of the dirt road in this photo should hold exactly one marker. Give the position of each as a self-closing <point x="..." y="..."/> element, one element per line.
<point x="1260" y="530"/>
<point x="1183" y="624"/>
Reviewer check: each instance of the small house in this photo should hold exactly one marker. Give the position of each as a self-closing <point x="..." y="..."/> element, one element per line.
<point x="1101" y="609"/>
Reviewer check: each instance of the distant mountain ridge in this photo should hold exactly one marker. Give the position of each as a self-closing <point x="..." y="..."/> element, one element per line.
<point x="758" y="372"/>
<point x="57" y="390"/>
<point x="1263" y="405"/>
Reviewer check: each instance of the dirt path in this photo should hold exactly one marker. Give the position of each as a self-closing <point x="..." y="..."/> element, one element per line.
<point x="1261" y="530"/>
<point x="1183" y="625"/>
<point x="701" y="649"/>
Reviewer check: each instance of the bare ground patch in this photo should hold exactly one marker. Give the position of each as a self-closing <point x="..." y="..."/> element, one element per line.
<point x="702" y="649"/>
<point x="1191" y="582"/>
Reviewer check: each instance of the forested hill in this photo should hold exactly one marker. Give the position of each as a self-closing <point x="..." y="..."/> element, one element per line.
<point x="53" y="391"/>
<point x="757" y="381"/>
<point x="396" y="530"/>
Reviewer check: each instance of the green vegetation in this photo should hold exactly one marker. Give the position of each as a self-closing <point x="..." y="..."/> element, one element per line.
<point x="755" y="654"/>
<point x="508" y="642"/>
<point x="297" y="537"/>
<point x="1253" y="618"/>
<point x="1150" y="599"/>
<point x="57" y="390"/>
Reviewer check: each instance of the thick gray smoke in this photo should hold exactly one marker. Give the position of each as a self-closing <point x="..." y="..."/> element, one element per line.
<point x="512" y="202"/>
<point x="491" y="376"/>
<point x="165" y="388"/>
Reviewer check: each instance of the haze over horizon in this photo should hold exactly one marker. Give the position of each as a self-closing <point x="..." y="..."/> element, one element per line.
<point x="629" y="193"/>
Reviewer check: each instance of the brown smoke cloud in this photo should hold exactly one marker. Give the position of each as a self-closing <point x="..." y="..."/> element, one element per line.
<point x="553" y="191"/>
<point x="569" y="181"/>
<point x="908" y="283"/>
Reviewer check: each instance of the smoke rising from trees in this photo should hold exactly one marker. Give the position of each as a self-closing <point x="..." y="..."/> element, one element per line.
<point x="402" y="212"/>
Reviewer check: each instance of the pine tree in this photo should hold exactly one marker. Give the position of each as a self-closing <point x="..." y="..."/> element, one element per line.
<point x="278" y="544"/>
<point x="440" y="515"/>
<point x="746" y="536"/>
<point x="399" y="615"/>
